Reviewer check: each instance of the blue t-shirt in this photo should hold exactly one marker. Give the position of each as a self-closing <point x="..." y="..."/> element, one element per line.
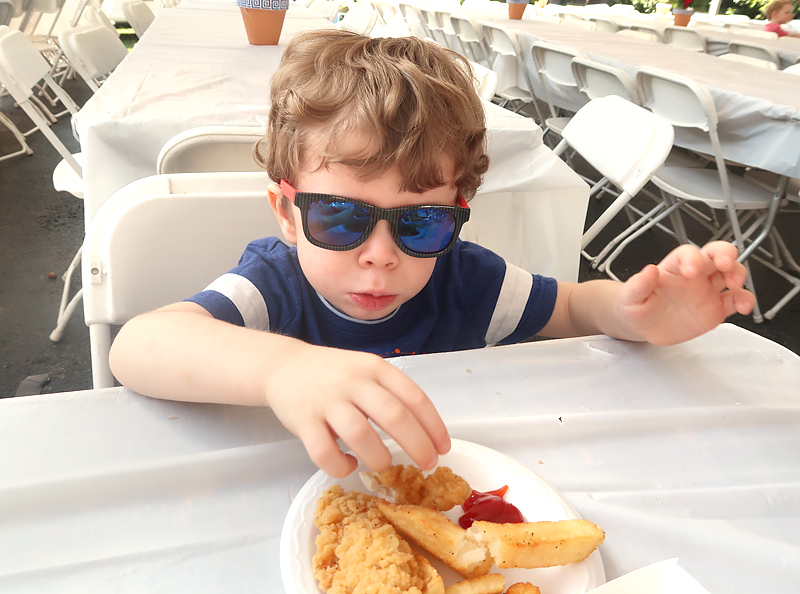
<point x="472" y="299"/>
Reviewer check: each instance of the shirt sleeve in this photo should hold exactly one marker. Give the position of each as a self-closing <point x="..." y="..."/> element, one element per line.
<point x="257" y="293"/>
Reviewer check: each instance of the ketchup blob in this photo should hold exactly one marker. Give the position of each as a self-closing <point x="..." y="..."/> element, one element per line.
<point x="489" y="507"/>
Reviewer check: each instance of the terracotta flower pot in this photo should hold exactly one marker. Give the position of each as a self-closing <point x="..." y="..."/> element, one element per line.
<point x="515" y="9"/>
<point x="263" y="20"/>
<point x="682" y="16"/>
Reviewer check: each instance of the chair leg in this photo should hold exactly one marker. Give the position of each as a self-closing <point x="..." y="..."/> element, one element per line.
<point x="25" y="149"/>
<point x="67" y="306"/>
<point x="100" y="345"/>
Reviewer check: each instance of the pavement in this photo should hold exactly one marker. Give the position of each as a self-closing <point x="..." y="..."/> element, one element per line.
<point x="41" y="229"/>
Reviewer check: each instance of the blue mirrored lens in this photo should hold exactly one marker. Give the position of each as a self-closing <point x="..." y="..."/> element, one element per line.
<point x="337" y="223"/>
<point x="426" y="230"/>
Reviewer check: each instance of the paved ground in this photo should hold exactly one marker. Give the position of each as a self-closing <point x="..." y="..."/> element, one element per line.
<point x="40" y="231"/>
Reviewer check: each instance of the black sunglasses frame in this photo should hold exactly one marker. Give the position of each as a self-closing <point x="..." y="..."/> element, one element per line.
<point x="392" y="215"/>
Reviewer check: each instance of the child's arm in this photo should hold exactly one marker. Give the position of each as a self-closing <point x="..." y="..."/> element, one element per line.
<point x="180" y="352"/>
<point x="690" y="292"/>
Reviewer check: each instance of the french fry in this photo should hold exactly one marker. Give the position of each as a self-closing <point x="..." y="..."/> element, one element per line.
<point x="492" y="583"/>
<point x="443" y="539"/>
<point x="433" y="581"/>
<point x="538" y="544"/>
<point x="521" y="588"/>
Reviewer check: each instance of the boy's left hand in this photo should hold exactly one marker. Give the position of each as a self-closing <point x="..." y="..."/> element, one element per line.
<point x="687" y="294"/>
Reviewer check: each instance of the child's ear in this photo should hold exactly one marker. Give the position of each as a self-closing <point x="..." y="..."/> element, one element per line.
<point x="285" y="216"/>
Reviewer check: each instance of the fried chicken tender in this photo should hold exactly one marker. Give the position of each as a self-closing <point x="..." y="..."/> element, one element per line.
<point x="441" y="490"/>
<point x="359" y="551"/>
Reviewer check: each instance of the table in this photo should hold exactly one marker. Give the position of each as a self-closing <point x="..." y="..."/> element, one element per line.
<point x="194" y="67"/>
<point x="690" y="451"/>
<point x="759" y="109"/>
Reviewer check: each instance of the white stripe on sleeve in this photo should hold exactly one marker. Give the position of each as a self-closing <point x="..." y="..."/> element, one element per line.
<point x="246" y="297"/>
<point x="511" y="302"/>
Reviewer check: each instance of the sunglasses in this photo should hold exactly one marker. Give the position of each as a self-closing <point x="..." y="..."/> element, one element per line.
<point x="339" y="224"/>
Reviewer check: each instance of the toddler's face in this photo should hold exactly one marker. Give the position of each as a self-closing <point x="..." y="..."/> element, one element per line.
<point x="784" y="14"/>
<point x="374" y="279"/>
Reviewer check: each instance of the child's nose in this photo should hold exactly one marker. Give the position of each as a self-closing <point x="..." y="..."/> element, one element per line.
<point x="380" y="248"/>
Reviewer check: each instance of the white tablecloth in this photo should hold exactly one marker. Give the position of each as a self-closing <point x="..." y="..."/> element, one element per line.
<point x="690" y="451"/>
<point x="194" y="67"/>
<point x="759" y="109"/>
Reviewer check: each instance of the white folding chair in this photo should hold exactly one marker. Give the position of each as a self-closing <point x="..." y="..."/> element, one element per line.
<point x="622" y="141"/>
<point x="485" y="81"/>
<point x="687" y="104"/>
<point x="21" y="68"/>
<point x="471" y="38"/>
<point x="758" y="33"/>
<point x="95" y="16"/>
<point x="432" y="24"/>
<point x="755" y="51"/>
<point x="750" y="60"/>
<point x="554" y="64"/>
<point x="603" y="24"/>
<point x="578" y="23"/>
<point x="162" y="239"/>
<point x="651" y="30"/>
<point x="360" y="19"/>
<point x="211" y="149"/>
<point x="643" y="35"/>
<point x="7" y="10"/>
<point x="414" y="19"/>
<point x="139" y="15"/>
<point x="94" y="51"/>
<point x="685" y="38"/>
<point x="446" y="26"/>
<point x="513" y="81"/>
<point x="329" y="9"/>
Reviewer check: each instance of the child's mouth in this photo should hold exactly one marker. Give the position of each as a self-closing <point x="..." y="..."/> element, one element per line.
<point x="372" y="302"/>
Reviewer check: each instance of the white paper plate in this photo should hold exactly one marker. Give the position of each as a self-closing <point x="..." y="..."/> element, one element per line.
<point x="485" y="469"/>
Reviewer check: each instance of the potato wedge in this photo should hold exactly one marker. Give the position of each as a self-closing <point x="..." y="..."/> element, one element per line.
<point x="538" y="544"/>
<point x="433" y="581"/>
<point x="521" y="588"/>
<point x="443" y="539"/>
<point x="492" y="583"/>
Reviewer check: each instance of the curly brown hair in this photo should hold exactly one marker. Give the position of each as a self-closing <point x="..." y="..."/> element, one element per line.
<point x="375" y="104"/>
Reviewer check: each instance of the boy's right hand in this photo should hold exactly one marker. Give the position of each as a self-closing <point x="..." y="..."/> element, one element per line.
<point x="321" y="394"/>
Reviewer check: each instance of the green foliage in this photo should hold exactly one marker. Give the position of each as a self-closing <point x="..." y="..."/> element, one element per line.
<point x="752" y="8"/>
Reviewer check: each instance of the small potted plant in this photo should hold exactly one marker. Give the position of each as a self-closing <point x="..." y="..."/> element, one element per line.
<point x="682" y="12"/>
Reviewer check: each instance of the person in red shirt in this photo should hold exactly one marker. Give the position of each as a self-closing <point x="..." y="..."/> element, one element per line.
<point x="780" y="12"/>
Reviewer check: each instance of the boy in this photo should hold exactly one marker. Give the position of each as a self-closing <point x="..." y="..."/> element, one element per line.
<point x="779" y="12"/>
<point x="374" y="145"/>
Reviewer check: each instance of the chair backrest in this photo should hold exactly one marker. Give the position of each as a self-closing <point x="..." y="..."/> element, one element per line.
<point x="162" y="239"/>
<point x="748" y="32"/>
<point x="623" y="141"/>
<point x="501" y="40"/>
<point x="554" y="63"/>
<point x="578" y="23"/>
<point x="466" y="29"/>
<point x="485" y="81"/>
<point x="96" y="16"/>
<point x="648" y="29"/>
<point x="93" y="50"/>
<point x="678" y="99"/>
<point x="139" y="16"/>
<point x="414" y="19"/>
<point x="596" y="79"/>
<point x="603" y="24"/>
<point x="211" y="149"/>
<point x="749" y="60"/>
<point x="359" y="20"/>
<point x="686" y="38"/>
<point x="643" y="35"/>
<point x="7" y="9"/>
<point x="326" y="8"/>
<point x="754" y="51"/>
